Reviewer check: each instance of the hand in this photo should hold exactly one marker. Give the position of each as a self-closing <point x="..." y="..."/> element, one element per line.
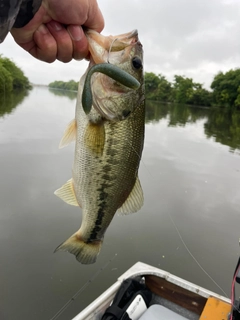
<point x="55" y="32"/>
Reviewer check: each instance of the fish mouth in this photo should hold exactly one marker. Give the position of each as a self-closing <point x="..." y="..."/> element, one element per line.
<point x="117" y="49"/>
<point x="132" y="35"/>
<point x="100" y="46"/>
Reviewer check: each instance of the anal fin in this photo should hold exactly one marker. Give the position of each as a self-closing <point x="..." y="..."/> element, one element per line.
<point x="134" y="201"/>
<point x="67" y="194"/>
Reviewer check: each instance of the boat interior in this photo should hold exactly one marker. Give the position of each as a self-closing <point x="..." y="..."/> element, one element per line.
<point x="181" y="301"/>
<point x="171" y="298"/>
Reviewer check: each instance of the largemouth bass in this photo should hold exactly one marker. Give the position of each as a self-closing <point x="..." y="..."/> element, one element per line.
<point x="109" y="142"/>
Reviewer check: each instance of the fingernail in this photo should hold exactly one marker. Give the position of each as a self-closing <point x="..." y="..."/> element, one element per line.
<point x="75" y="32"/>
<point x="55" y="25"/>
<point x="42" y="29"/>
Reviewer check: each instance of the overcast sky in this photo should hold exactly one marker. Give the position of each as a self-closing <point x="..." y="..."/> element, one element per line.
<point x="195" y="38"/>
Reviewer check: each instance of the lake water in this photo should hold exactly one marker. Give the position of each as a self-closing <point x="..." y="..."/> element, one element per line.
<point x="190" y="173"/>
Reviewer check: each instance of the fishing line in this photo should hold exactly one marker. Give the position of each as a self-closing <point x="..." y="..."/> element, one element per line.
<point x="67" y="304"/>
<point x="145" y="166"/>
<point x="197" y="262"/>
<point x="110" y="49"/>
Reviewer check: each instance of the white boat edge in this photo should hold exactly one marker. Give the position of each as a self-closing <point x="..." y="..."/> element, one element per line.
<point x="98" y="306"/>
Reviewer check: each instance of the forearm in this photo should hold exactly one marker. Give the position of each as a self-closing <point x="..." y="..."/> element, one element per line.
<point x="16" y="13"/>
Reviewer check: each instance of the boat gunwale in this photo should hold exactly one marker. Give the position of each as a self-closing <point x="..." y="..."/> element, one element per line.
<point x="141" y="269"/>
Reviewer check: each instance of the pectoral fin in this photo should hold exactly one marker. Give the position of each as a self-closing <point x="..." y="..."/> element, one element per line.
<point x="134" y="201"/>
<point x="69" y="134"/>
<point x="67" y="194"/>
<point x="95" y="138"/>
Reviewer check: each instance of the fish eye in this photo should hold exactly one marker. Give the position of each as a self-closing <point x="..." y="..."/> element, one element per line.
<point x="136" y="62"/>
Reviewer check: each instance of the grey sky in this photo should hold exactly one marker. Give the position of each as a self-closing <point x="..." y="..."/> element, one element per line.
<point x="196" y="38"/>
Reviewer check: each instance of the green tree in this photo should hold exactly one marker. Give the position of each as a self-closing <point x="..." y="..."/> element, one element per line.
<point x="183" y="89"/>
<point x="225" y="88"/>
<point x="70" y="85"/>
<point x="164" y="89"/>
<point x="19" y="80"/>
<point x="6" y="81"/>
<point x="157" y="87"/>
<point x="151" y="81"/>
<point x="200" y="97"/>
<point x="237" y="101"/>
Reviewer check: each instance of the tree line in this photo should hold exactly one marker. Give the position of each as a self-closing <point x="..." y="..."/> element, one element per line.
<point x="11" y="76"/>
<point x="70" y="85"/>
<point x="225" y="90"/>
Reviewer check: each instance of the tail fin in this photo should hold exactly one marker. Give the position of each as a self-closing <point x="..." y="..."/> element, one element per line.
<point x="86" y="253"/>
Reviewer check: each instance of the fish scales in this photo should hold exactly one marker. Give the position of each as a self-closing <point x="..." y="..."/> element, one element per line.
<point x="109" y="144"/>
<point x="116" y="169"/>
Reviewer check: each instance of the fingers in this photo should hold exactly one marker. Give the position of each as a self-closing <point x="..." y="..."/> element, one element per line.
<point x="53" y="41"/>
<point x="45" y="47"/>
<point x="64" y="44"/>
<point x="46" y="38"/>
<point x="79" y="41"/>
<point x="40" y="45"/>
<point x="71" y="43"/>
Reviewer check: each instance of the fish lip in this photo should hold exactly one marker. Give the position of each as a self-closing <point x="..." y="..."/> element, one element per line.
<point x="133" y="34"/>
<point x="108" y="43"/>
<point x="128" y="35"/>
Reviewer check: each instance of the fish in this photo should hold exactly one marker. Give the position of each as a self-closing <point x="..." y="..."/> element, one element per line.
<point x="109" y="138"/>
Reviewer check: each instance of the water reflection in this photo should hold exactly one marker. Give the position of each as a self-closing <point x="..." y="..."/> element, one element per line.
<point x="9" y="102"/>
<point x="178" y="115"/>
<point x="156" y="111"/>
<point x="64" y="93"/>
<point x="182" y="173"/>
<point x="224" y="127"/>
<point x="220" y="124"/>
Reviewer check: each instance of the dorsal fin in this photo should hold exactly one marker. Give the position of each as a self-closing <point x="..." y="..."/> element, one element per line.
<point x="134" y="201"/>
